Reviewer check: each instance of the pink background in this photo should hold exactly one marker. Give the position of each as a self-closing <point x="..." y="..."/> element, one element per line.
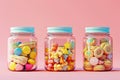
<point x="44" y="13"/>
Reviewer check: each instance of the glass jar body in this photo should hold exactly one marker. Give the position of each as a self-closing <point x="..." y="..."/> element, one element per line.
<point x="98" y="52"/>
<point x="22" y="52"/>
<point x="59" y="52"/>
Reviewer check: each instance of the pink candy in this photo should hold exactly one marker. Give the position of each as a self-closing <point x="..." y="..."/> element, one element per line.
<point x="28" y="66"/>
<point x="19" y="67"/>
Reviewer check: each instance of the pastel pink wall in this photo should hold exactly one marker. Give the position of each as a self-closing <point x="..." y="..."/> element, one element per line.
<point x="44" y="13"/>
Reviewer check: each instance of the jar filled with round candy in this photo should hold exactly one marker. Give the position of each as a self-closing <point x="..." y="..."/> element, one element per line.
<point x="98" y="51"/>
<point x="59" y="49"/>
<point x="22" y="49"/>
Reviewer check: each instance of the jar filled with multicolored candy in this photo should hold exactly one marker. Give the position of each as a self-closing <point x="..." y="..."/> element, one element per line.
<point x="59" y="49"/>
<point x="22" y="49"/>
<point x="98" y="51"/>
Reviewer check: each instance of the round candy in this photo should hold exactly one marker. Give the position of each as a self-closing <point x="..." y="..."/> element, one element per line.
<point x="17" y="51"/>
<point x="33" y="55"/>
<point x="91" y="41"/>
<point x="26" y="49"/>
<point x="94" y="61"/>
<point x="12" y="66"/>
<point x="19" y="67"/>
<point x="28" y="66"/>
<point x="98" y="52"/>
<point x="57" y="60"/>
<point x="107" y="48"/>
<point x="31" y="61"/>
<point x="88" y="54"/>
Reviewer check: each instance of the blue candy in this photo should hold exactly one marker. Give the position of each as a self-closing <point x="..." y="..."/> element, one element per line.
<point x="72" y="44"/>
<point x="65" y="56"/>
<point x="18" y="51"/>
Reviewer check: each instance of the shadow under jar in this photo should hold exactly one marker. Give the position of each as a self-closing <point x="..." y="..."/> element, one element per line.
<point x="59" y="49"/>
<point x="98" y="54"/>
<point x="22" y="49"/>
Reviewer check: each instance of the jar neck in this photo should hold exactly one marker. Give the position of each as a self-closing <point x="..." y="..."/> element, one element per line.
<point x="22" y="34"/>
<point x="97" y="34"/>
<point x="59" y="34"/>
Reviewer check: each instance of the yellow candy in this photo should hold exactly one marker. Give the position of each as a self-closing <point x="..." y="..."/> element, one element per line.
<point x="65" y="51"/>
<point x="31" y="61"/>
<point x="46" y="50"/>
<point x="67" y="45"/>
<point x="33" y="55"/>
<point x="70" y="68"/>
<point x="46" y="57"/>
<point x="12" y="66"/>
<point x="24" y="54"/>
<point x="59" y="67"/>
<point x="26" y="50"/>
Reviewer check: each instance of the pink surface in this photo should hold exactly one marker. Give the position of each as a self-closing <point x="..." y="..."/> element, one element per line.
<point x="44" y="13"/>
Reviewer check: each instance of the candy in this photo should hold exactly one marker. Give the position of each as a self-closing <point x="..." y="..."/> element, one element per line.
<point x="87" y="66"/>
<point x="99" y="68"/>
<point x="12" y="66"/>
<point x="33" y="55"/>
<point x="110" y="56"/>
<point x="88" y="54"/>
<point x="107" y="63"/>
<point x="28" y="66"/>
<point x="61" y="58"/>
<point x="91" y="41"/>
<point x="31" y="44"/>
<point x="67" y="45"/>
<point x="94" y="61"/>
<point x="72" y="44"/>
<point x="26" y="49"/>
<point x="17" y="51"/>
<point x="31" y="61"/>
<point x="19" y="67"/>
<point x="98" y="52"/>
<point x="107" y="48"/>
<point x="19" y="59"/>
<point x="103" y="40"/>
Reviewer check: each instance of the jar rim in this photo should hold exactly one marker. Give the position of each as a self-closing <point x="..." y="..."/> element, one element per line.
<point x="22" y="29"/>
<point x="97" y="30"/>
<point x="59" y="29"/>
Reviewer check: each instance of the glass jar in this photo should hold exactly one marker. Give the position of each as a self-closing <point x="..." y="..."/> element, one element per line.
<point x="22" y="49"/>
<point x="59" y="49"/>
<point x="98" y="54"/>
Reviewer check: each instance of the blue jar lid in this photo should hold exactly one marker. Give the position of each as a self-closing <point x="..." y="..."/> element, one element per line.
<point x="20" y="29"/>
<point x="59" y="29"/>
<point x="97" y="29"/>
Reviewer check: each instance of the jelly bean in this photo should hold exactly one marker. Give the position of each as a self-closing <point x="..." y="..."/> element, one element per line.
<point x="17" y="51"/>
<point x="28" y="67"/>
<point x="19" y="67"/>
<point x="31" y="61"/>
<point x="12" y="66"/>
<point x="26" y="50"/>
<point x="33" y="55"/>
